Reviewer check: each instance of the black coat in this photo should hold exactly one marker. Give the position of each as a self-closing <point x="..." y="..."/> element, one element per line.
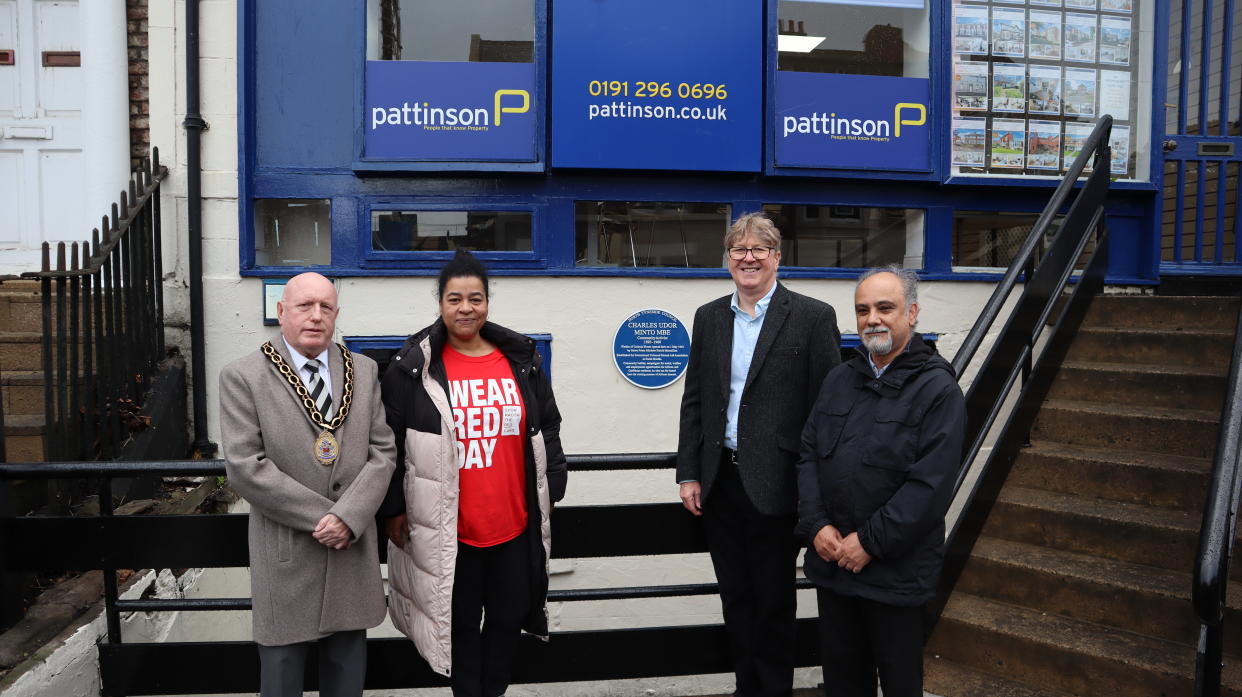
<point x="797" y="346"/>
<point x="879" y="457"/>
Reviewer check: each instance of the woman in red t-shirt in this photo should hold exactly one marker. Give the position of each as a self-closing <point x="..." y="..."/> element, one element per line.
<point x="479" y="465"/>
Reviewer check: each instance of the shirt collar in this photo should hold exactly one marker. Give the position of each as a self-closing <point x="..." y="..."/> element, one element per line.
<point x="761" y="305"/>
<point x="299" y="361"/>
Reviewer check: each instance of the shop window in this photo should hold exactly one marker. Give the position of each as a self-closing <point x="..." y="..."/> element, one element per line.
<point x="650" y="234"/>
<point x="292" y="232"/>
<point x="1029" y="84"/>
<point x="989" y="241"/>
<point x="848" y="236"/>
<point x="445" y="231"/>
<point x="854" y="39"/>
<point x="481" y="31"/>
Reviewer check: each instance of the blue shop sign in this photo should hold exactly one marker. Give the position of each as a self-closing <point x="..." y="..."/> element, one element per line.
<point x="657" y="84"/>
<point x="651" y="349"/>
<point x="442" y="110"/>
<point x="852" y="122"/>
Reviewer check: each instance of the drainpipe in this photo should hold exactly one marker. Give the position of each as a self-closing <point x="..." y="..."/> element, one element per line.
<point x="194" y="126"/>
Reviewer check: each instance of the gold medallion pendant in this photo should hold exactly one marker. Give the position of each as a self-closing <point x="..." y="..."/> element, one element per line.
<point x="326" y="448"/>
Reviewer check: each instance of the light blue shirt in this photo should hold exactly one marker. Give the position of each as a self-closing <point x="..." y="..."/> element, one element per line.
<point x="878" y="371"/>
<point x="745" y="337"/>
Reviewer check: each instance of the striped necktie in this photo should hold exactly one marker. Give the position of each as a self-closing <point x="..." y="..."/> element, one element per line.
<point x="318" y="390"/>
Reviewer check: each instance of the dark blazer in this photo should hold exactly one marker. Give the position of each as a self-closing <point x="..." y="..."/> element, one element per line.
<point x="797" y="346"/>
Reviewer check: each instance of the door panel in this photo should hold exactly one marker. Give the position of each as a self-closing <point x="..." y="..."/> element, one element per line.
<point x="60" y="171"/>
<point x="60" y="88"/>
<point x="11" y="197"/>
<point x="10" y="82"/>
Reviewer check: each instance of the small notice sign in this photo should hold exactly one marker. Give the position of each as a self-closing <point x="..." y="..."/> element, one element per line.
<point x="651" y="349"/>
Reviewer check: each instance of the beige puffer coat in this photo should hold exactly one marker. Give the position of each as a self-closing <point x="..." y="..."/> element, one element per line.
<point x="425" y="485"/>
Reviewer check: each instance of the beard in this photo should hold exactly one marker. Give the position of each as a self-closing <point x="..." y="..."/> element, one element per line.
<point x="878" y="342"/>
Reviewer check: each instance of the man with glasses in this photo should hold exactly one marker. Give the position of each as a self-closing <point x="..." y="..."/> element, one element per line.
<point x="757" y="358"/>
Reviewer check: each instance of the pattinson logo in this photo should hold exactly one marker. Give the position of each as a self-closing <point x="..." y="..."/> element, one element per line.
<point x="844" y="127"/>
<point x="452" y="118"/>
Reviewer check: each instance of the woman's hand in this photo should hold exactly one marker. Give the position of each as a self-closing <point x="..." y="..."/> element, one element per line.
<point x="397" y="530"/>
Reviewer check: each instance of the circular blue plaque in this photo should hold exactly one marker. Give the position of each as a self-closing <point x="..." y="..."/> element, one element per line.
<point x="651" y="349"/>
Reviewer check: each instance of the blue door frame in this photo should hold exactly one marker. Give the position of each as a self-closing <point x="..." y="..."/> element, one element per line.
<point x="1199" y="148"/>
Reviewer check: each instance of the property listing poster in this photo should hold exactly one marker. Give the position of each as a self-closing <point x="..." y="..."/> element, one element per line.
<point x="1030" y="78"/>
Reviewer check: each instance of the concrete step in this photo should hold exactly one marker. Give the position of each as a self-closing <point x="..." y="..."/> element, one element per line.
<point x="1065" y="654"/>
<point x="22" y="391"/>
<point x="23" y="437"/>
<point x="1189" y="348"/>
<point x="1135" y="597"/>
<point x="1162" y="537"/>
<point x="1179" y="387"/>
<point x="1168" y="312"/>
<point x="1150" y="479"/>
<point x="1186" y="432"/>
<point x="21" y="350"/>
<point x="20" y="311"/>
<point x="949" y="679"/>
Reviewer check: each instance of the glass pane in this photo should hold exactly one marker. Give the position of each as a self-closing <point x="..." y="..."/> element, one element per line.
<point x="292" y="232"/>
<point x="991" y="240"/>
<point x="820" y="37"/>
<point x="486" y="31"/>
<point x="442" y="231"/>
<point x="848" y="236"/>
<point x="645" y="233"/>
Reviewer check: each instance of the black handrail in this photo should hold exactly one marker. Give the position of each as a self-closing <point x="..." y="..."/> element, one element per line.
<point x="1217" y="532"/>
<point x="1012" y="353"/>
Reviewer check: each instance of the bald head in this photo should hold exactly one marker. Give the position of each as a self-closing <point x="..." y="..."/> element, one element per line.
<point x="307" y="313"/>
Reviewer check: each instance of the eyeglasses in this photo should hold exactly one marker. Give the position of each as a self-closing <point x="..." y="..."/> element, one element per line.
<point x="759" y="253"/>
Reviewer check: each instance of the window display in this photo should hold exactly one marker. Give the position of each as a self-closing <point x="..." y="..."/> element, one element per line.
<point x="1029" y="83"/>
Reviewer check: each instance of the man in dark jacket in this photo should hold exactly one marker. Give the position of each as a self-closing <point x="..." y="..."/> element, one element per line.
<point x="757" y="358"/>
<point x="879" y="456"/>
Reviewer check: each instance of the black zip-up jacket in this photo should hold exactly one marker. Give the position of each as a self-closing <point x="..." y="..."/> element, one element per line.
<point x="879" y="457"/>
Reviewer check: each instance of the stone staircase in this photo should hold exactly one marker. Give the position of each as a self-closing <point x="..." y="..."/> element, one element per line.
<point x="21" y="369"/>
<point x="1080" y="583"/>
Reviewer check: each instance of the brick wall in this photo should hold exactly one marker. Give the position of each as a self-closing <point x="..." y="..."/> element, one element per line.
<point x="139" y="113"/>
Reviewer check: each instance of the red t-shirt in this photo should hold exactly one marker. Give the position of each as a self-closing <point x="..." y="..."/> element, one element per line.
<point x="490" y="424"/>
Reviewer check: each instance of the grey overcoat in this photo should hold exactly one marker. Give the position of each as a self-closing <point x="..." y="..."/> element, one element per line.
<point x="303" y="590"/>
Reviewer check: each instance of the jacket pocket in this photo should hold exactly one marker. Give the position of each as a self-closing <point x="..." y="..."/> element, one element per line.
<point x="828" y="427"/>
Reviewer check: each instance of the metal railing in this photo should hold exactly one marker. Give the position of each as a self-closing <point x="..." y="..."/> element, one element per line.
<point x="1217" y="532"/>
<point x="1012" y="356"/>
<point x="103" y="328"/>
<point x="110" y="542"/>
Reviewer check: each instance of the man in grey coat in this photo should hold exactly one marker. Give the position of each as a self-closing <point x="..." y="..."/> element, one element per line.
<point x="757" y="359"/>
<point x="307" y="445"/>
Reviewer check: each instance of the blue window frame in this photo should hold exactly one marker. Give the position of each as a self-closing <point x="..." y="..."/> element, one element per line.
<point x="300" y="109"/>
<point x="460" y="80"/>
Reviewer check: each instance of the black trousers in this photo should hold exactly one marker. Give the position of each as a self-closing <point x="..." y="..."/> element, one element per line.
<point x="342" y="666"/>
<point x="859" y="638"/>
<point x="491" y="588"/>
<point x="754" y="556"/>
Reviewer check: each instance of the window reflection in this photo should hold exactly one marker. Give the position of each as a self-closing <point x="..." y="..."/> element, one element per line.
<point x="819" y="37"/>
<point x="292" y="232"/>
<point x="443" y="231"/>
<point x="648" y="233"/>
<point x="486" y="31"/>
<point x="848" y="236"/>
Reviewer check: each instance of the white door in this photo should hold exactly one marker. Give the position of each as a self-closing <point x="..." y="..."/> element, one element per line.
<point x="40" y="129"/>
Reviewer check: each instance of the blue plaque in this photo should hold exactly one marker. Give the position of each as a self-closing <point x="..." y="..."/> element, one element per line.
<point x="651" y="349"/>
